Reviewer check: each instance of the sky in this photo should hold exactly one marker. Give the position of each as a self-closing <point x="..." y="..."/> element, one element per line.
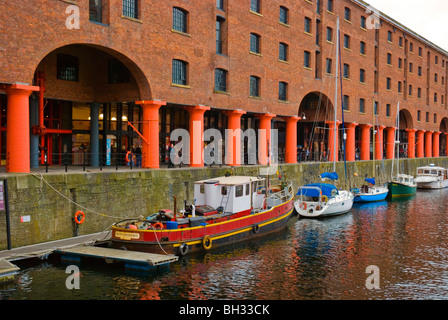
<point x="427" y="18"/>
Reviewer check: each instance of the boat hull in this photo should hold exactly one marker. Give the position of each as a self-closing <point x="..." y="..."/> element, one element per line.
<point x="398" y="190"/>
<point x="339" y="205"/>
<point x="442" y="184"/>
<point x="372" y="197"/>
<point x="203" y="238"/>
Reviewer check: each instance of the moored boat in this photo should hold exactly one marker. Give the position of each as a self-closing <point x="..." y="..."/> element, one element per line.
<point x="402" y="186"/>
<point x="226" y="210"/>
<point x="370" y="192"/>
<point x="432" y="177"/>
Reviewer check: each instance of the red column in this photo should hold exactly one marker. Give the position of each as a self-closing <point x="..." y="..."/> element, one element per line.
<point x="233" y="137"/>
<point x="291" y="139"/>
<point x="420" y="143"/>
<point x="379" y="144"/>
<point x="264" y="137"/>
<point x="411" y="143"/>
<point x="196" y="135"/>
<point x="436" y="144"/>
<point x="428" y="144"/>
<point x="446" y="152"/>
<point x="351" y="141"/>
<point x="331" y="146"/>
<point x="18" y="123"/>
<point x="390" y="147"/>
<point x="365" y="141"/>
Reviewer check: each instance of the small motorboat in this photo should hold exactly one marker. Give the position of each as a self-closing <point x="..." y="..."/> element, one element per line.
<point x="370" y="192"/>
<point x="402" y="185"/>
<point x="226" y="210"/>
<point x="432" y="177"/>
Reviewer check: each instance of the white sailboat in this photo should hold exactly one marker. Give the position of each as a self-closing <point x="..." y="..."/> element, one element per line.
<point x="321" y="200"/>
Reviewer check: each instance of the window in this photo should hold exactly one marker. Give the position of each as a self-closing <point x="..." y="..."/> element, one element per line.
<point x="362" y="106"/>
<point x="283" y="51"/>
<point x="179" y="72"/>
<point x="419" y="71"/>
<point x="255" y="6"/>
<point x="220" y="4"/>
<point x="435" y="118"/>
<point x="436" y="77"/>
<point x="346" y="71"/>
<point x="117" y="72"/>
<point x="329" y="66"/>
<point x="411" y="47"/>
<point x="130" y="8"/>
<point x="435" y="97"/>
<point x="67" y="67"/>
<point x="376" y="108"/>
<point x="330" y="5"/>
<point x="389" y="84"/>
<point x="387" y="110"/>
<point x="282" y="91"/>
<point x="223" y="190"/>
<point x="347" y="14"/>
<point x="419" y="115"/>
<point x="437" y="60"/>
<point x="220" y="80"/>
<point x="420" y="52"/>
<point x="254" y="86"/>
<point x="362" y="76"/>
<point x="427" y="116"/>
<point x="389" y="59"/>
<point x="346" y="103"/>
<point x="389" y="36"/>
<point x="307" y="25"/>
<point x="400" y="63"/>
<point x="329" y="34"/>
<point x="362" y="48"/>
<point x="219" y="31"/>
<point x="363" y="22"/>
<point x="399" y="86"/>
<point x="239" y="191"/>
<point x="307" y="59"/>
<point x="411" y="67"/>
<point x="95" y="11"/>
<point x="419" y="92"/>
<point x="346" y="41"/>
<point x="180" y="20"/>
<point x="400" y="42"/>
<point x="283" y="15"/>
<point x="410" y="90"/>
<point x="254" y="43"/>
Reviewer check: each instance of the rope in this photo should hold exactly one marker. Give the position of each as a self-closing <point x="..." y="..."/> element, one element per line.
<point x="160" y="245"/>
<point x="41" y="178"/>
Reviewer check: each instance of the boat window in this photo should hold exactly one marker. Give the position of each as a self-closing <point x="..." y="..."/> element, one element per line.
<point x="433" y="171"/>
<point x="426" y="171"/>
<point x="420" y="171"/>
<point x="202" y="188"/>
<point x="247" y="189"/>
<point x="239" y="191"/>
<point x="224" y="190"/>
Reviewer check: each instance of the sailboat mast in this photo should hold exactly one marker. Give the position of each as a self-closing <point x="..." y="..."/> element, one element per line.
<point x="336" y="96"/>
<point x="398" y="138"/>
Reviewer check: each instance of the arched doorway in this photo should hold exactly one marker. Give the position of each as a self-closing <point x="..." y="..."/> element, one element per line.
<point x="443" y="137"/>
<point x="312" y="134"/>
<point x="406" y="122"/>
<point x="90" y="94"/>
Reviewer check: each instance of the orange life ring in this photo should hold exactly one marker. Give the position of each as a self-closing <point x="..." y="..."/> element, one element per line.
<point x="303" y="206"/>
<point x="128" y="159"/>
<point x="83" y="217"/>
<point x="158" y="226"/>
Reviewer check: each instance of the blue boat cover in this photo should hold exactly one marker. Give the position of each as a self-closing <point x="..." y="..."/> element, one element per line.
<point x="327" y="189"/>
<point x="371" y="181"/>
<point x="329" y="176"/>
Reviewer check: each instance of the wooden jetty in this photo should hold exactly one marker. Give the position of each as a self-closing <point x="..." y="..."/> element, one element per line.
<point x="7" y="271"/>
<point x="132" y="259"/>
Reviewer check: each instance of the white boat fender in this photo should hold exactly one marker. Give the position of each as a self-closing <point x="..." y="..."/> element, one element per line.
<point x="183" y="249"/>
<point x="193" y="210"/>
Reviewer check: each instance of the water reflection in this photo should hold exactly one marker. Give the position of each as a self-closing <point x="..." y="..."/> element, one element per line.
<point x="311" y="259"/>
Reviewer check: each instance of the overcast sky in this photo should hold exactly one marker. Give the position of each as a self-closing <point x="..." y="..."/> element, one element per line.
<point x="427" y="18"/>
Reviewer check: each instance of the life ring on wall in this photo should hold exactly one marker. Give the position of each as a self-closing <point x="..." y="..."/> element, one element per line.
<point x="207" y="243"/>
<point x="303" y="206"/>
<point x="128" y="156"/>
<point x="77" y="217"/>
<point x="183" y="249"/>
<point x="158" y="226"/>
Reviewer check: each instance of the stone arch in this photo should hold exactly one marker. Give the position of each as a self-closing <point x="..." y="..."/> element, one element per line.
<point x="316" y="106"/>
<point x="406" y="120"/>
<point x="136" y="71"/>
<point x="444" y="125"/>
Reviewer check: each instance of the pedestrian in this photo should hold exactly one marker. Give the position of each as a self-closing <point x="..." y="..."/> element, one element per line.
<point x="138" y="156"/>
<point x="170" y="156"/>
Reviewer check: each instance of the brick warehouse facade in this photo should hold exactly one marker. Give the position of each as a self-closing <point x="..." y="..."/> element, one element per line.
<point x="237" y="64"/>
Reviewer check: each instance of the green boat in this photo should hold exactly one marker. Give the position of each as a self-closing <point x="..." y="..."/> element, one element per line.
<point x="402" y="186"/>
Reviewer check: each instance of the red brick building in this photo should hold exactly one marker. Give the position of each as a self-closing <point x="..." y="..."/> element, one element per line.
<point x="73" y="73"/>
